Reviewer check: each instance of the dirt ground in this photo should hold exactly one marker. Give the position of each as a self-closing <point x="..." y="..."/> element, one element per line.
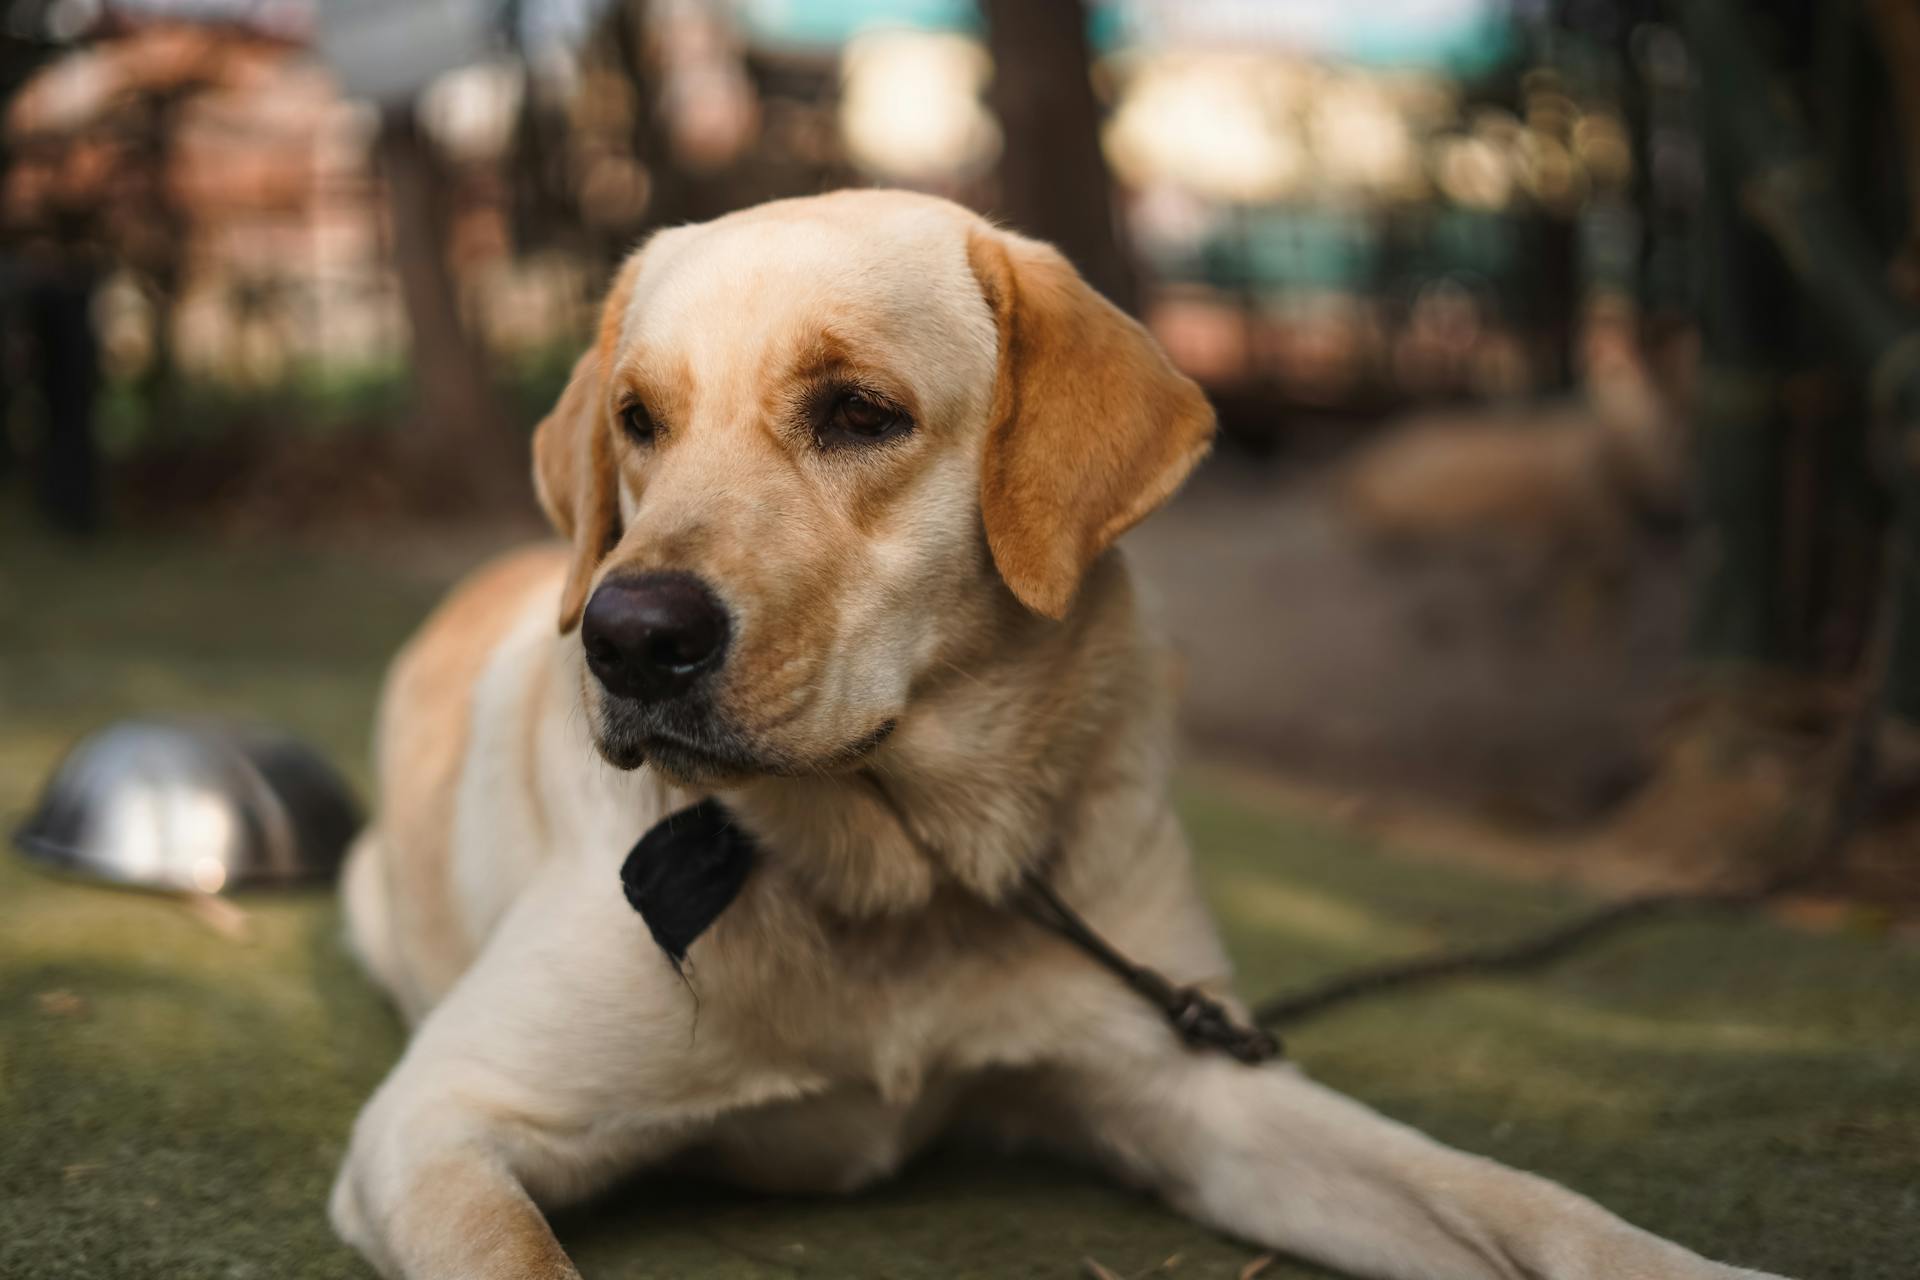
<point x="1523" y="696"/>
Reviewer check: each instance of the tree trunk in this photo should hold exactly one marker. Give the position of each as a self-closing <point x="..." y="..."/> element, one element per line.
<point x="61" y="302"/>
<point x="1746" y="305"/>
<point x="459" y="428"/>
<point x="1053" y="178"/>
<point x="1786" y="191"/>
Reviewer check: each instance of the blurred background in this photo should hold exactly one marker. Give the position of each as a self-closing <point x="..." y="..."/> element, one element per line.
<point x="1557" y="546"/>
<point x="1549" y="491"/>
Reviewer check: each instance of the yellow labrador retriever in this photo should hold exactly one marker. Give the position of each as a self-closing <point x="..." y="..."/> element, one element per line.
<point x="840" y="481"/>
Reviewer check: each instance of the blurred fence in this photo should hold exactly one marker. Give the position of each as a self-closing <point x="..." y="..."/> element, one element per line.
<point x="1335" y="205"/>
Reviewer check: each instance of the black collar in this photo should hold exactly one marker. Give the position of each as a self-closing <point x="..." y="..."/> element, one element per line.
<point x="684" y="872"/>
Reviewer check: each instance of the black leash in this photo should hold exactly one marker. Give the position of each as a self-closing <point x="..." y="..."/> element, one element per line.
<point x="1197" y="1018"/>
<point x="1200" y="1020"/>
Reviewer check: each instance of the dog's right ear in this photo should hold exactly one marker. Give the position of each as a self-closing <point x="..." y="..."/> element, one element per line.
<point x="573" y="462"/>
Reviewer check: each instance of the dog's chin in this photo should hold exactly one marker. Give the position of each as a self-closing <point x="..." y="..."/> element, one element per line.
<point x="683" y="759"/>
<point x="686" y="765"/>
<point x="712" y="761"/>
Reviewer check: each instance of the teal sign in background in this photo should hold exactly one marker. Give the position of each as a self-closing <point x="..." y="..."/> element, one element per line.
<point x="1462" y="36"/>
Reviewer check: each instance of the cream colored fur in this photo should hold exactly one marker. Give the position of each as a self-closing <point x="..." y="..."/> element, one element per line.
<point x="865" y="993"/>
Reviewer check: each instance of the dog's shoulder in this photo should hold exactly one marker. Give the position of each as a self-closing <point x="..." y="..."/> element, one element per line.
<point x="424" y="731"/>
<point x="429" y="686"/>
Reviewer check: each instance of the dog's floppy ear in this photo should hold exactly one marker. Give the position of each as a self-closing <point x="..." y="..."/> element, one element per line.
<point x="1092" y="427"/>
<point x="573" y="476"/>
<point x="573" y="464"/>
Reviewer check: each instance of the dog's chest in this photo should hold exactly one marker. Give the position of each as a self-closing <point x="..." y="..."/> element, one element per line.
<point x="884" y="1028"/>
<point x="836" y="1141"/>
<point x="875" y="1007"/>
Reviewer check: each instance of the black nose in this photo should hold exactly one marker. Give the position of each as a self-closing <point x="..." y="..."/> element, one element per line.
<point x="650" y="637"/>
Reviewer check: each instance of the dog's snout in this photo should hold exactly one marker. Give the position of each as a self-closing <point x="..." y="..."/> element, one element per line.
<point x="650" y="637"/>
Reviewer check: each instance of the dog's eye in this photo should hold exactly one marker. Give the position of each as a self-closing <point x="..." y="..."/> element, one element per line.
<point x="637" y="423"/>
<point x="854" y="417"/>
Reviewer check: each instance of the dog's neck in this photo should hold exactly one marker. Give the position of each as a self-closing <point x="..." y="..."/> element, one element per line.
<point x="988" y="771"/>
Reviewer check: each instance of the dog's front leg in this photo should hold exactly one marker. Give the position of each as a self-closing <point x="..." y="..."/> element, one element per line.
<point x="1267" y="1155"/>
<point x="433" y="1194"/>
<point x="560" y="1060"/>
<point x="453" y="1158"/>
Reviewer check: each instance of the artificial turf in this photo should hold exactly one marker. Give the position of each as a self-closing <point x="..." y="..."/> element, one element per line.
<point x="173" y="1102"/>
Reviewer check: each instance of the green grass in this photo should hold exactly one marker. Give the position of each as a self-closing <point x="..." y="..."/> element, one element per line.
<point x="173" y="1103"/>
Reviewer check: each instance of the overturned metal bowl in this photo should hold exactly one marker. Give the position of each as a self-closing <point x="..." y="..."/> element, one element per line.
<point x="191" y="805"/>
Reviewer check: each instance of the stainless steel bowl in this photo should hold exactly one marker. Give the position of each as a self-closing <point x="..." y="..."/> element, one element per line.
<point x="191" y="805"/>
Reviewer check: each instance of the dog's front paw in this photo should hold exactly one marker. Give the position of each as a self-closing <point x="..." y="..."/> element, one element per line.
<point x="427" y="1192"/>
<point x="347" y="1213"/>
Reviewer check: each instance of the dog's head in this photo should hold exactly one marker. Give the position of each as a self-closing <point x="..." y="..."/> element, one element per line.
<point x="822" y="447"/>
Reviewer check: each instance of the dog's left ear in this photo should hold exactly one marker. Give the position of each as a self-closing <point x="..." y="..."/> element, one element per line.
<point x="573" y="464"/>
<point x="1092" y="427"/>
